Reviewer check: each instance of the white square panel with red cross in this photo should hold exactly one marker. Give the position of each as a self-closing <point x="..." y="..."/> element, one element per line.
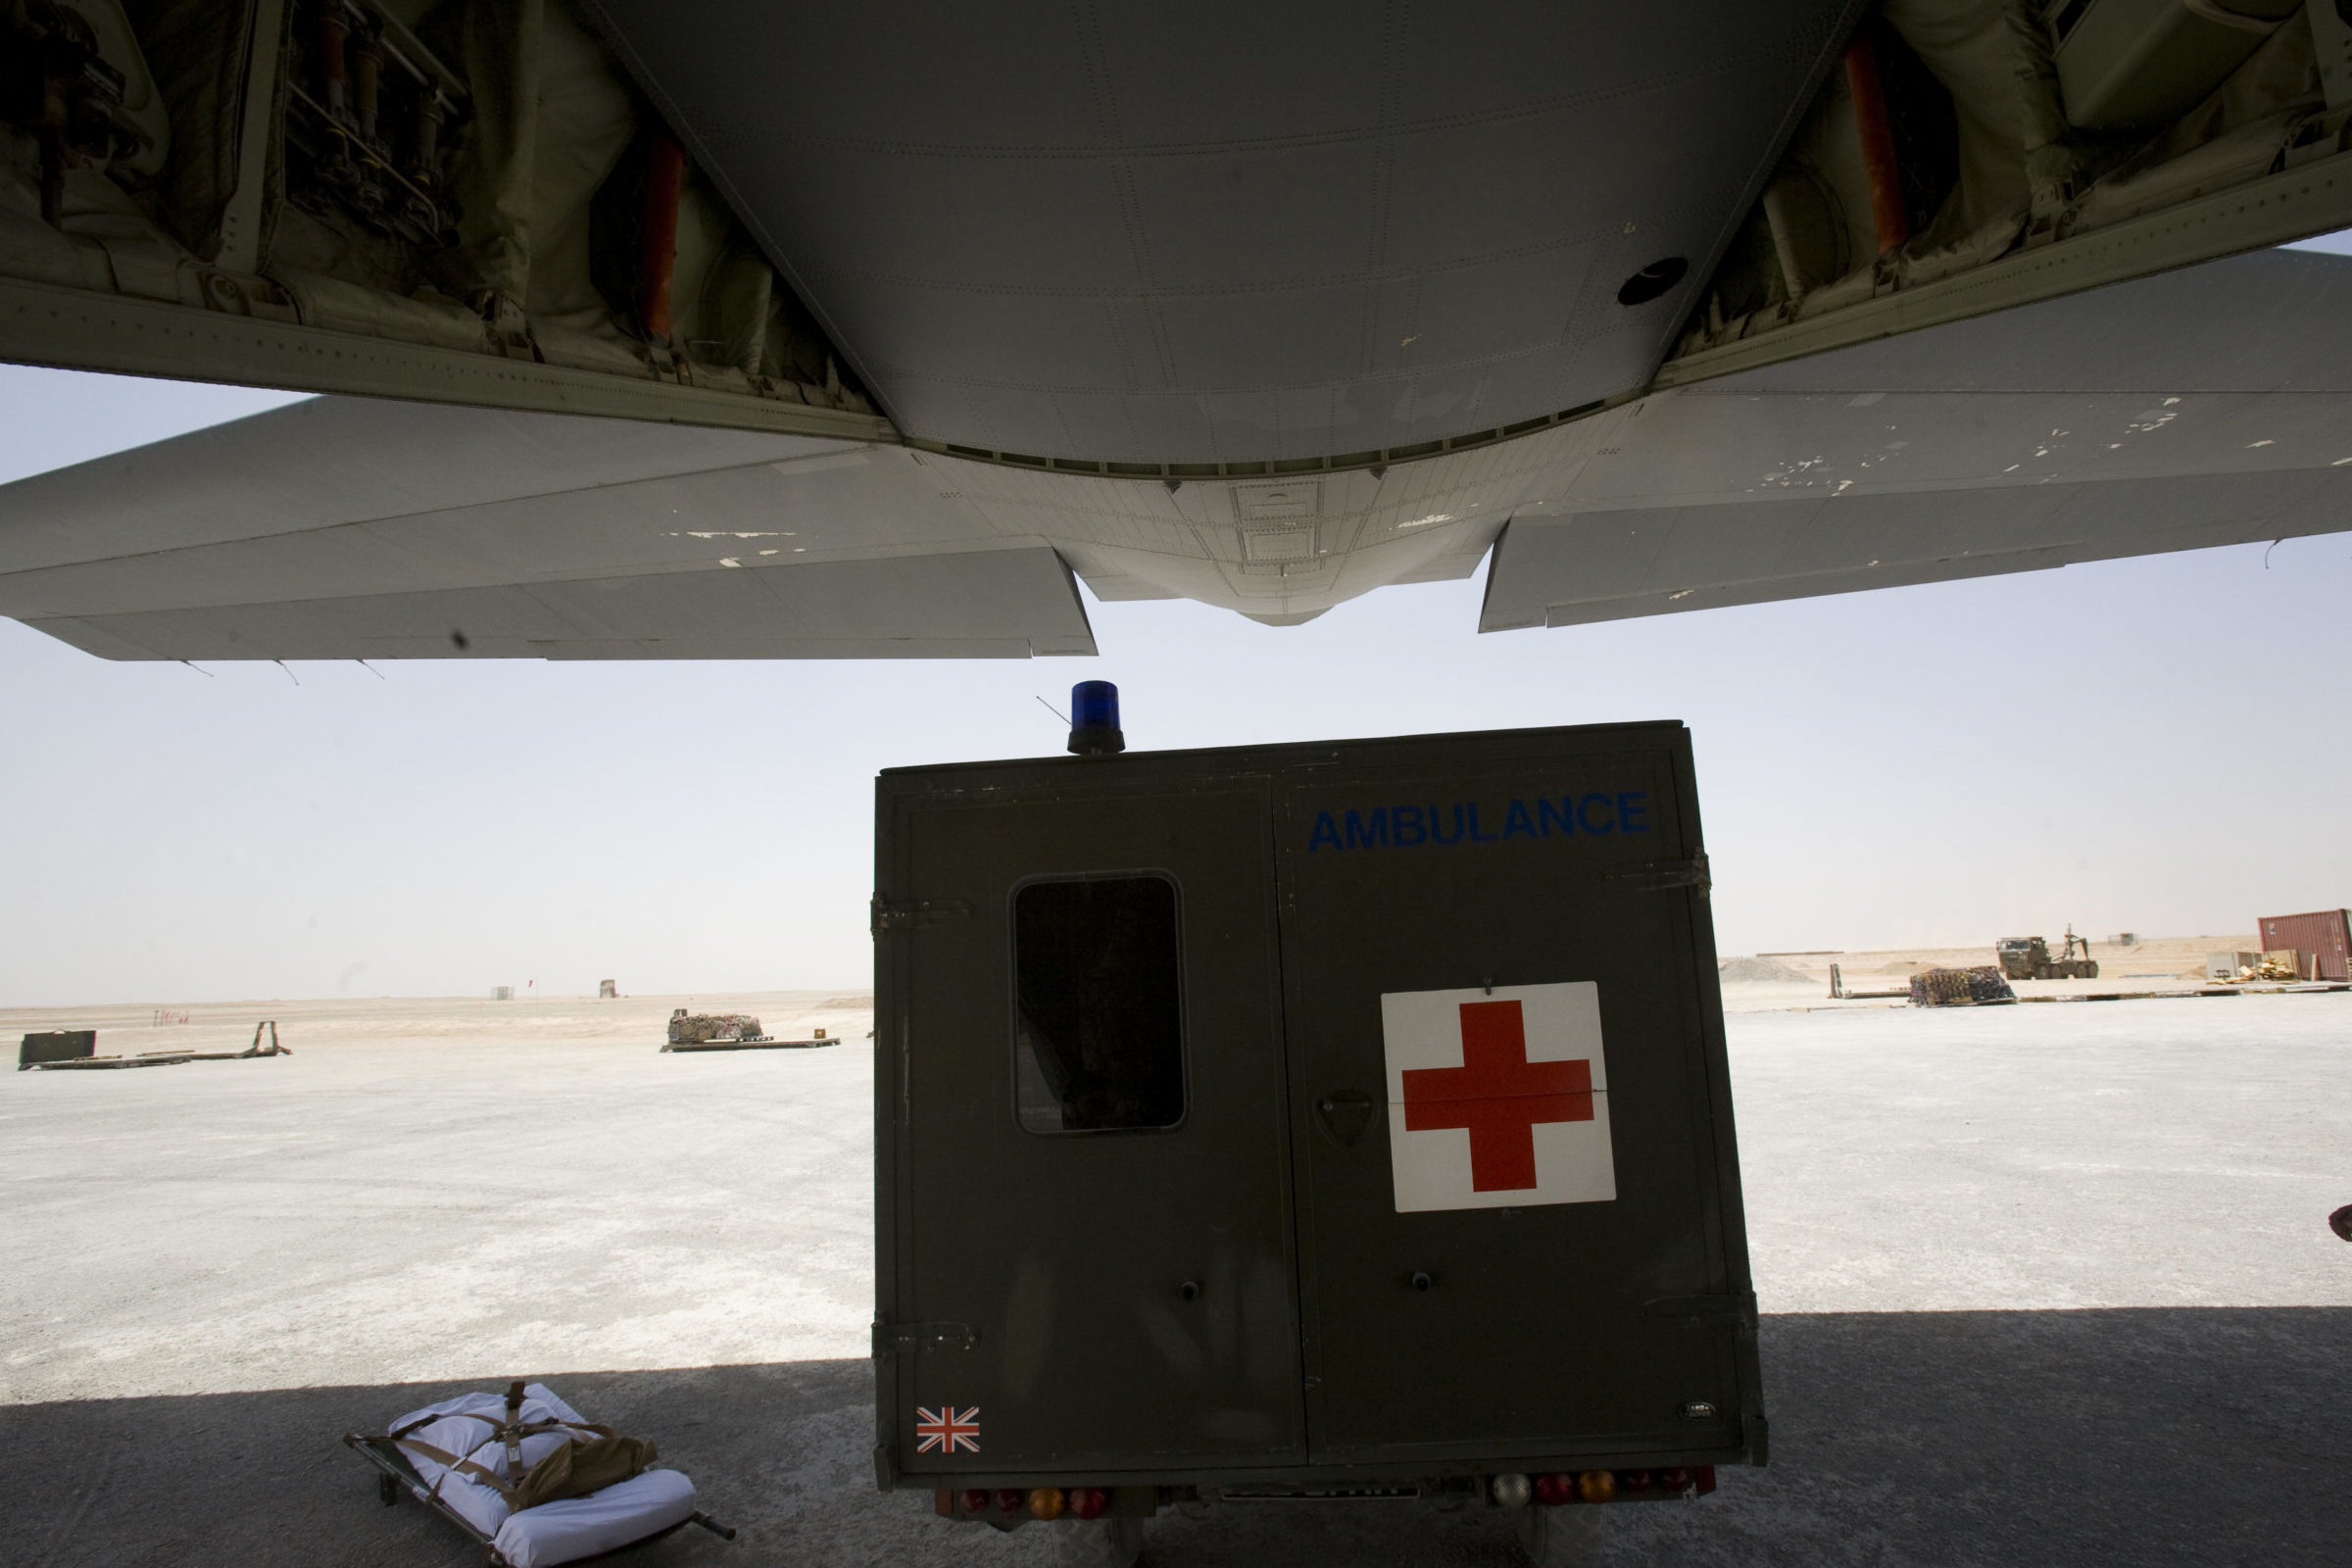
<point x="1497" y="1099"/>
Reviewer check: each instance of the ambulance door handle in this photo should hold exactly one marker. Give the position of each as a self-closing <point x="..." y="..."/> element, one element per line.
<point x="1347" y="1114"/>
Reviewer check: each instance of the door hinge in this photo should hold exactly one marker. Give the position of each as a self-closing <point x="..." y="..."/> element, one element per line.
<point x="1657" y="876"/>
<point x="899" y="914"/>
<point x="892" y="1338"/>
<point x="1739" y="1311"/>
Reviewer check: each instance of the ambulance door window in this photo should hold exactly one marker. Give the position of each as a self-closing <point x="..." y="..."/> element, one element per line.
<point x="1099" y="1007"/>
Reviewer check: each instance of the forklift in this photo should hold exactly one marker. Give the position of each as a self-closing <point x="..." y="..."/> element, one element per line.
<point x="2029" y="958"/>
<point x="1326" y="1121"/>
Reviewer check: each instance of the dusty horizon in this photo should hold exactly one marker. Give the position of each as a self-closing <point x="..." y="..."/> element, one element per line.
<point x="2150" y="947"/>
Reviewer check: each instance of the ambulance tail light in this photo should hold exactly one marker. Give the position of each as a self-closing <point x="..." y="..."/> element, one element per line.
<point x="1010" y="1499"/>
<point x="1088" y="1502"/>
<point x="1557" y="1487"/>
<point x="972" y="1501"/>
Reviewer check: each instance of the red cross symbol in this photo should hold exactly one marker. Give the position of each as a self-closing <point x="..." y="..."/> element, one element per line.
<point x="1498" y="1095"/>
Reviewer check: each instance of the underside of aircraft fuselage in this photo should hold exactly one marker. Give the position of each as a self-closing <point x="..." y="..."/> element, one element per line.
<point x="846" y="331"/>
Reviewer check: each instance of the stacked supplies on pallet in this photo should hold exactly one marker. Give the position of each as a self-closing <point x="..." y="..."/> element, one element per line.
<point x="701" y="1028"/>
<point x="1960" y="988"/>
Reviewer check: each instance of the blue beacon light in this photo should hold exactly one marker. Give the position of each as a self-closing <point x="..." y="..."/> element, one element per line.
<point x="1095" y="720"/>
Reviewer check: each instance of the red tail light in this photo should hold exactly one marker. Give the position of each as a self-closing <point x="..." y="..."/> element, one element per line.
<point x="1553" y="1488"/>
<point x="1675" y="1480"/>
<point x="1088" y="1502"/>
<point x="1012" y="1499"/>
<point x="1633" y="1481"/>
<point x="972" y="1501"/>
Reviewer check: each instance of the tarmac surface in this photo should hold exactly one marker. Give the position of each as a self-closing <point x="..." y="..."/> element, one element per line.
<point x="2043" y="1286"/>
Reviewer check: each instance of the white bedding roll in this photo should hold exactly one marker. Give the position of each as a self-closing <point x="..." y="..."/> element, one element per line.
<point x="552" y="1533"/>
<point x="581" y="1527"/>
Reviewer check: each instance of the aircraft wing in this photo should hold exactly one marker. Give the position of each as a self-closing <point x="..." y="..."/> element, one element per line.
<point x="694" y="329"/>
<point x="355" y="528"/>
<point x="2203" y="407"/>
<point x="2206" y="407"/>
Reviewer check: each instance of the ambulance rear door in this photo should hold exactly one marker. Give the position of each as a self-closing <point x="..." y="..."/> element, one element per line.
<point x="1519" y="1214"/>
<point x="1086" y="1239"/>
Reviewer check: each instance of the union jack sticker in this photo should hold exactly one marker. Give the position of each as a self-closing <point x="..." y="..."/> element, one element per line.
<point x="947" y="1429"/>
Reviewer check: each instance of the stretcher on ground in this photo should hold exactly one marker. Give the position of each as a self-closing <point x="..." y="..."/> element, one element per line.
<point x="472" y="1459"/>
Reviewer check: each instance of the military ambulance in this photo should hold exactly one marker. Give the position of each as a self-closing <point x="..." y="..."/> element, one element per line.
<point x="1342" y="1120"/>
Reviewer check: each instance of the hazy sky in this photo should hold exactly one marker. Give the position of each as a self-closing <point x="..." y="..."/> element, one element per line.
<point x="2155" y="745"/>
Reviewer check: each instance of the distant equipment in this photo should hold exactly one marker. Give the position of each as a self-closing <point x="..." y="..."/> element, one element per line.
<point x="55" y="1045"/>
<point x="1839" y="992"/>
<point x="502" y="993"/>
<point x="2029" y="958"/>
<point x="256" y="1048"/>
<point x="607" y="991"/>
<point x="707" y="1028"/>
<point x="58" y="1049"/>
<point x="2278" y="965"/>
<point x="1982" y="986"/>
<point x="729" y="1031"/>
<point x="61" y="1049"/>
<point x="2321" y="941"/>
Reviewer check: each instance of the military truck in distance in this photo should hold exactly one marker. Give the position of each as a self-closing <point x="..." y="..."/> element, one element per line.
<point x="2029" y="958"/>
<point x="1310" y="1122"/>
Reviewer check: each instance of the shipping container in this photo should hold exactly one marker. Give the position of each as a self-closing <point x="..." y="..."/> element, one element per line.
<point x="2323" y="936"/>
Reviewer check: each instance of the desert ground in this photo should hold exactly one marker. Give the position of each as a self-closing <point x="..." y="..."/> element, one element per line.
<point x="2043" y="1285"/>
